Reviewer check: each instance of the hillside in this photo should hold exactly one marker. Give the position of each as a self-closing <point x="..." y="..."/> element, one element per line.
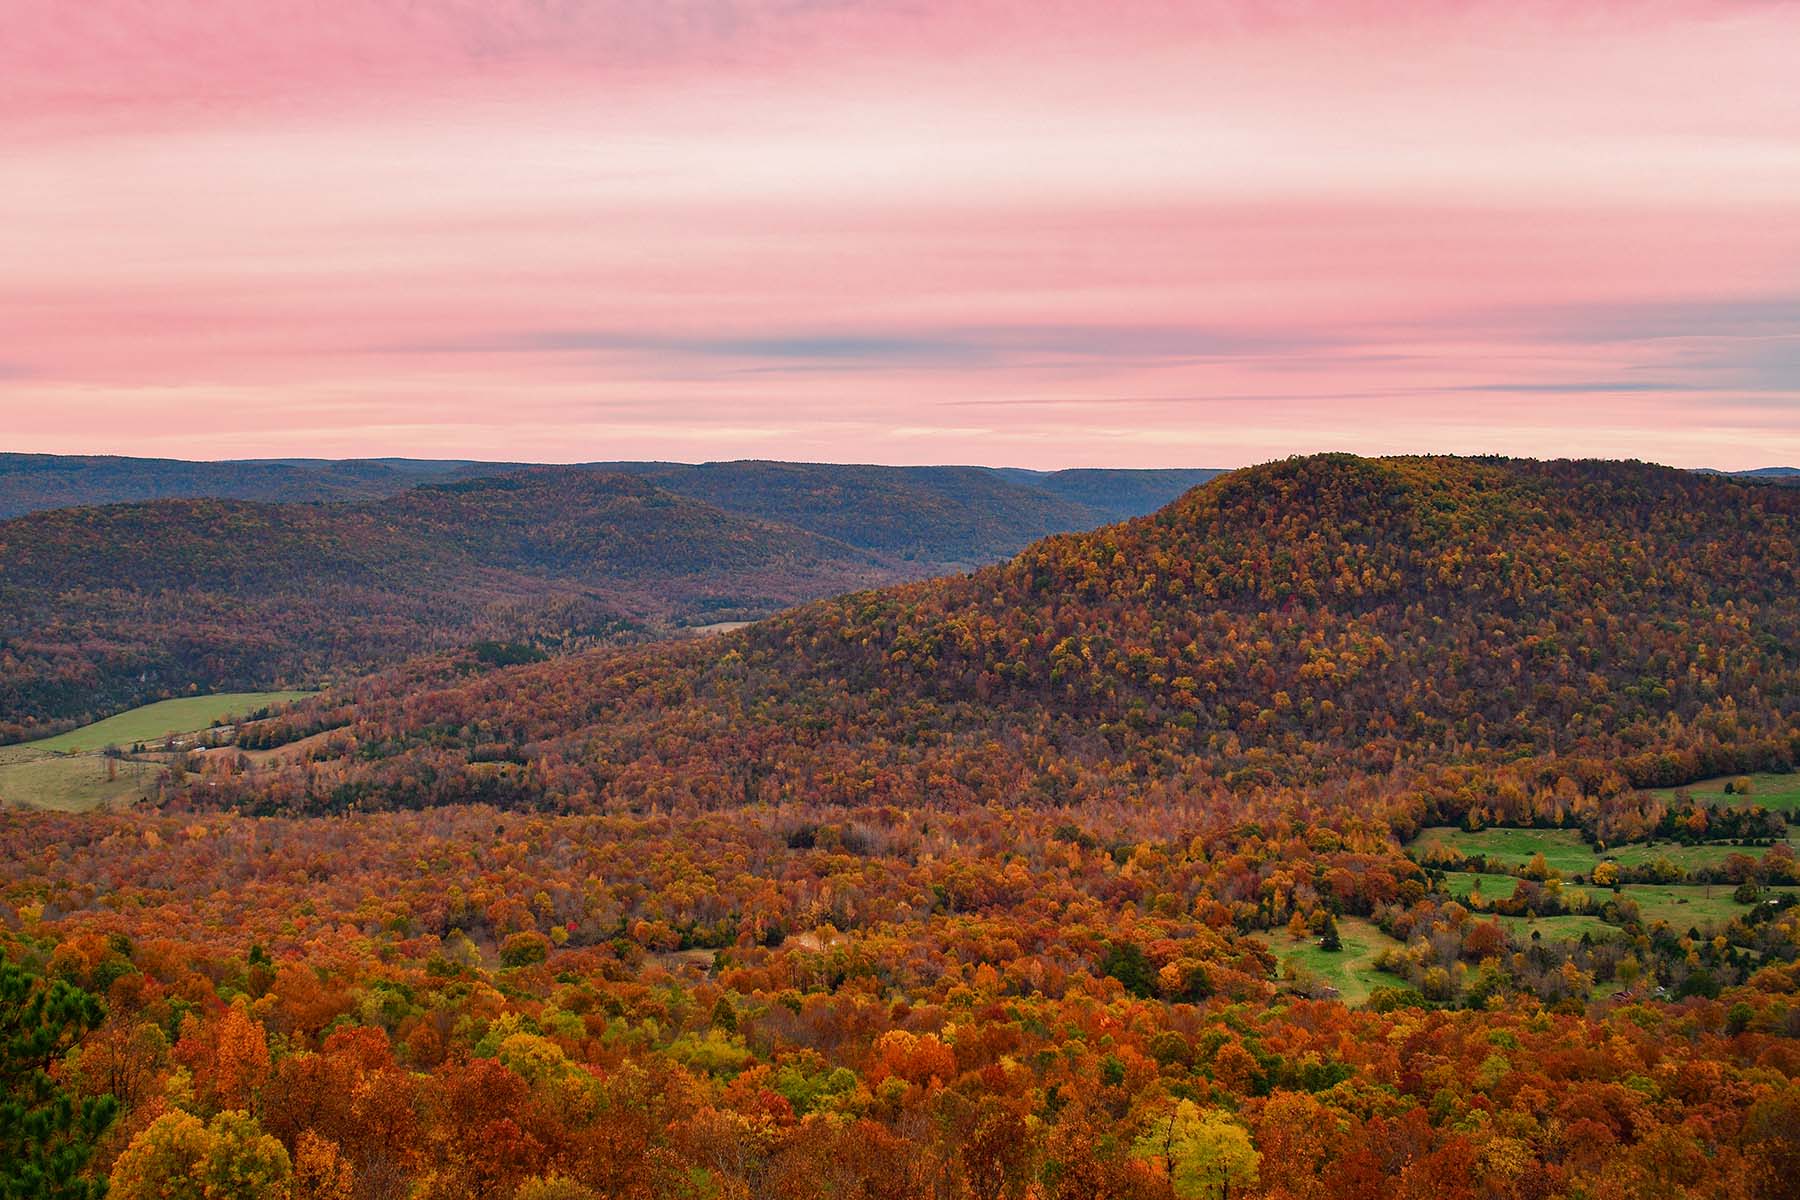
<point x="102" y="608"/>
<point x="269" y="573"/>
<point x="952" y="517"/>
<point x="1114" y="495"/>
<point x="1315" y="620"/>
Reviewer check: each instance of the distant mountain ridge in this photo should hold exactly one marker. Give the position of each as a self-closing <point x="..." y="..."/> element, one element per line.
<point x="1775" y="474"/>
<point x="956" y="516"/>
<point x="35" y="482"/>
<point x="1019" y="505"/>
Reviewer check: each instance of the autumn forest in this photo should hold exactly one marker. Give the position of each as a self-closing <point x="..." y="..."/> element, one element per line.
<point x="1335" y="828"/>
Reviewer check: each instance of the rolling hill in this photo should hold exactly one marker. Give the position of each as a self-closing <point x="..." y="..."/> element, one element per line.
<point x="1310" y="623"/>
<point x="951" y="517"/>
<point x="102" y="608"/>
<point x="1112" y="494"/>
<point x="35" y="482"/>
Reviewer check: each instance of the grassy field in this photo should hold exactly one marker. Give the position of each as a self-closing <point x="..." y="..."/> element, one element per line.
<point x="77" y="783"/>
<point x="1681" y="905"/>
<point x="1495" y="887"/>
<point x="153" y="722"/>
<point x="1558" y="929"/>
<point x="1565" y="852"/>
<point x="1771" y="791"/>
<point x="1562" y="849"/>
<point x="68" y="773"/>
<point x="1350" y="970"/>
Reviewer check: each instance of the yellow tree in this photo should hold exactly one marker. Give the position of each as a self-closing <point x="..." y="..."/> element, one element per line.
<point x="321" y="1172"/>
<point x="175" y="1157"/>
<point x="1204" y="1152"/>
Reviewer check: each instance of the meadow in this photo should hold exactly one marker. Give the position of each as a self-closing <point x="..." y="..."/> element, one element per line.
<point x="1777" y="792"/>
<point x="1680" y="905"/>
<point x="69" y="772"/>
<point x="153" y="722"/>
<point x="1350" y="970"/>
<point x="1566" y="853"/>
<point x="1566" y="928"/>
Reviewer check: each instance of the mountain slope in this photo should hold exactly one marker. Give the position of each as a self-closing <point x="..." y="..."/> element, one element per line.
<point x="948" y="516"/>
<point x="105" y="607"/>
<point x="1318" y="619"/>
<point x="1113" y="495"/>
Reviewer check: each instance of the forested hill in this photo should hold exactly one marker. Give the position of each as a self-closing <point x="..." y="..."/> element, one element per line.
<point x="105" y="607"/>
<point x="1117" y="495"/>
<point x="1326" y="618"/>
<point x="937" y="517"/>
<point x="953" y="516"/>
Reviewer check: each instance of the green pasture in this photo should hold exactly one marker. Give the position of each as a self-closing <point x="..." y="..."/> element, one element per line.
<point x="1350" y="970"/>
<point x="67" y="773"/>
<point x="1680" y="905"/>
<point x="73" y="783"/>
<point x="1563" y="849"/>
<point x="1565" y="852"/>
<point x="153" y="722"/>
<point x="1780" y="792"/>
<point x="1566" y="928"/>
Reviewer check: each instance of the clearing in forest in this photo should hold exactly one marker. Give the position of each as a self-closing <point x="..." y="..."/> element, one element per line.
<point x="69" y="773"/>
<point x="1775" y="792"/>
<point x="1567" y="854"/>
<point x="1682" y="905"/>
<point x="1350" y="970"/>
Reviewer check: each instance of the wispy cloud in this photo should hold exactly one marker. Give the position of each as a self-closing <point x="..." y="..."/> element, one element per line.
<point x="1012" y="345"/>
<point x="1573" y="387"/>
<point x="603" y="229"/>
<point x="800" y="347"/>
<point x="1630" y="321"/>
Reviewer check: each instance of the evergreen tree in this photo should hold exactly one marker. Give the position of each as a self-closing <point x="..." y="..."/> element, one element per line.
<point x="1128" y="964"/>
<point x="46" y="1135"/>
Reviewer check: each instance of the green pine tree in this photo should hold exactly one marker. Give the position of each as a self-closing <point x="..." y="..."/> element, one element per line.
<point x="46" y="1135"/>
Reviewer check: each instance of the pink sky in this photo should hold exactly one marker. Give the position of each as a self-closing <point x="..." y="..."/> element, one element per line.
<point x="1033" y="232"/>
